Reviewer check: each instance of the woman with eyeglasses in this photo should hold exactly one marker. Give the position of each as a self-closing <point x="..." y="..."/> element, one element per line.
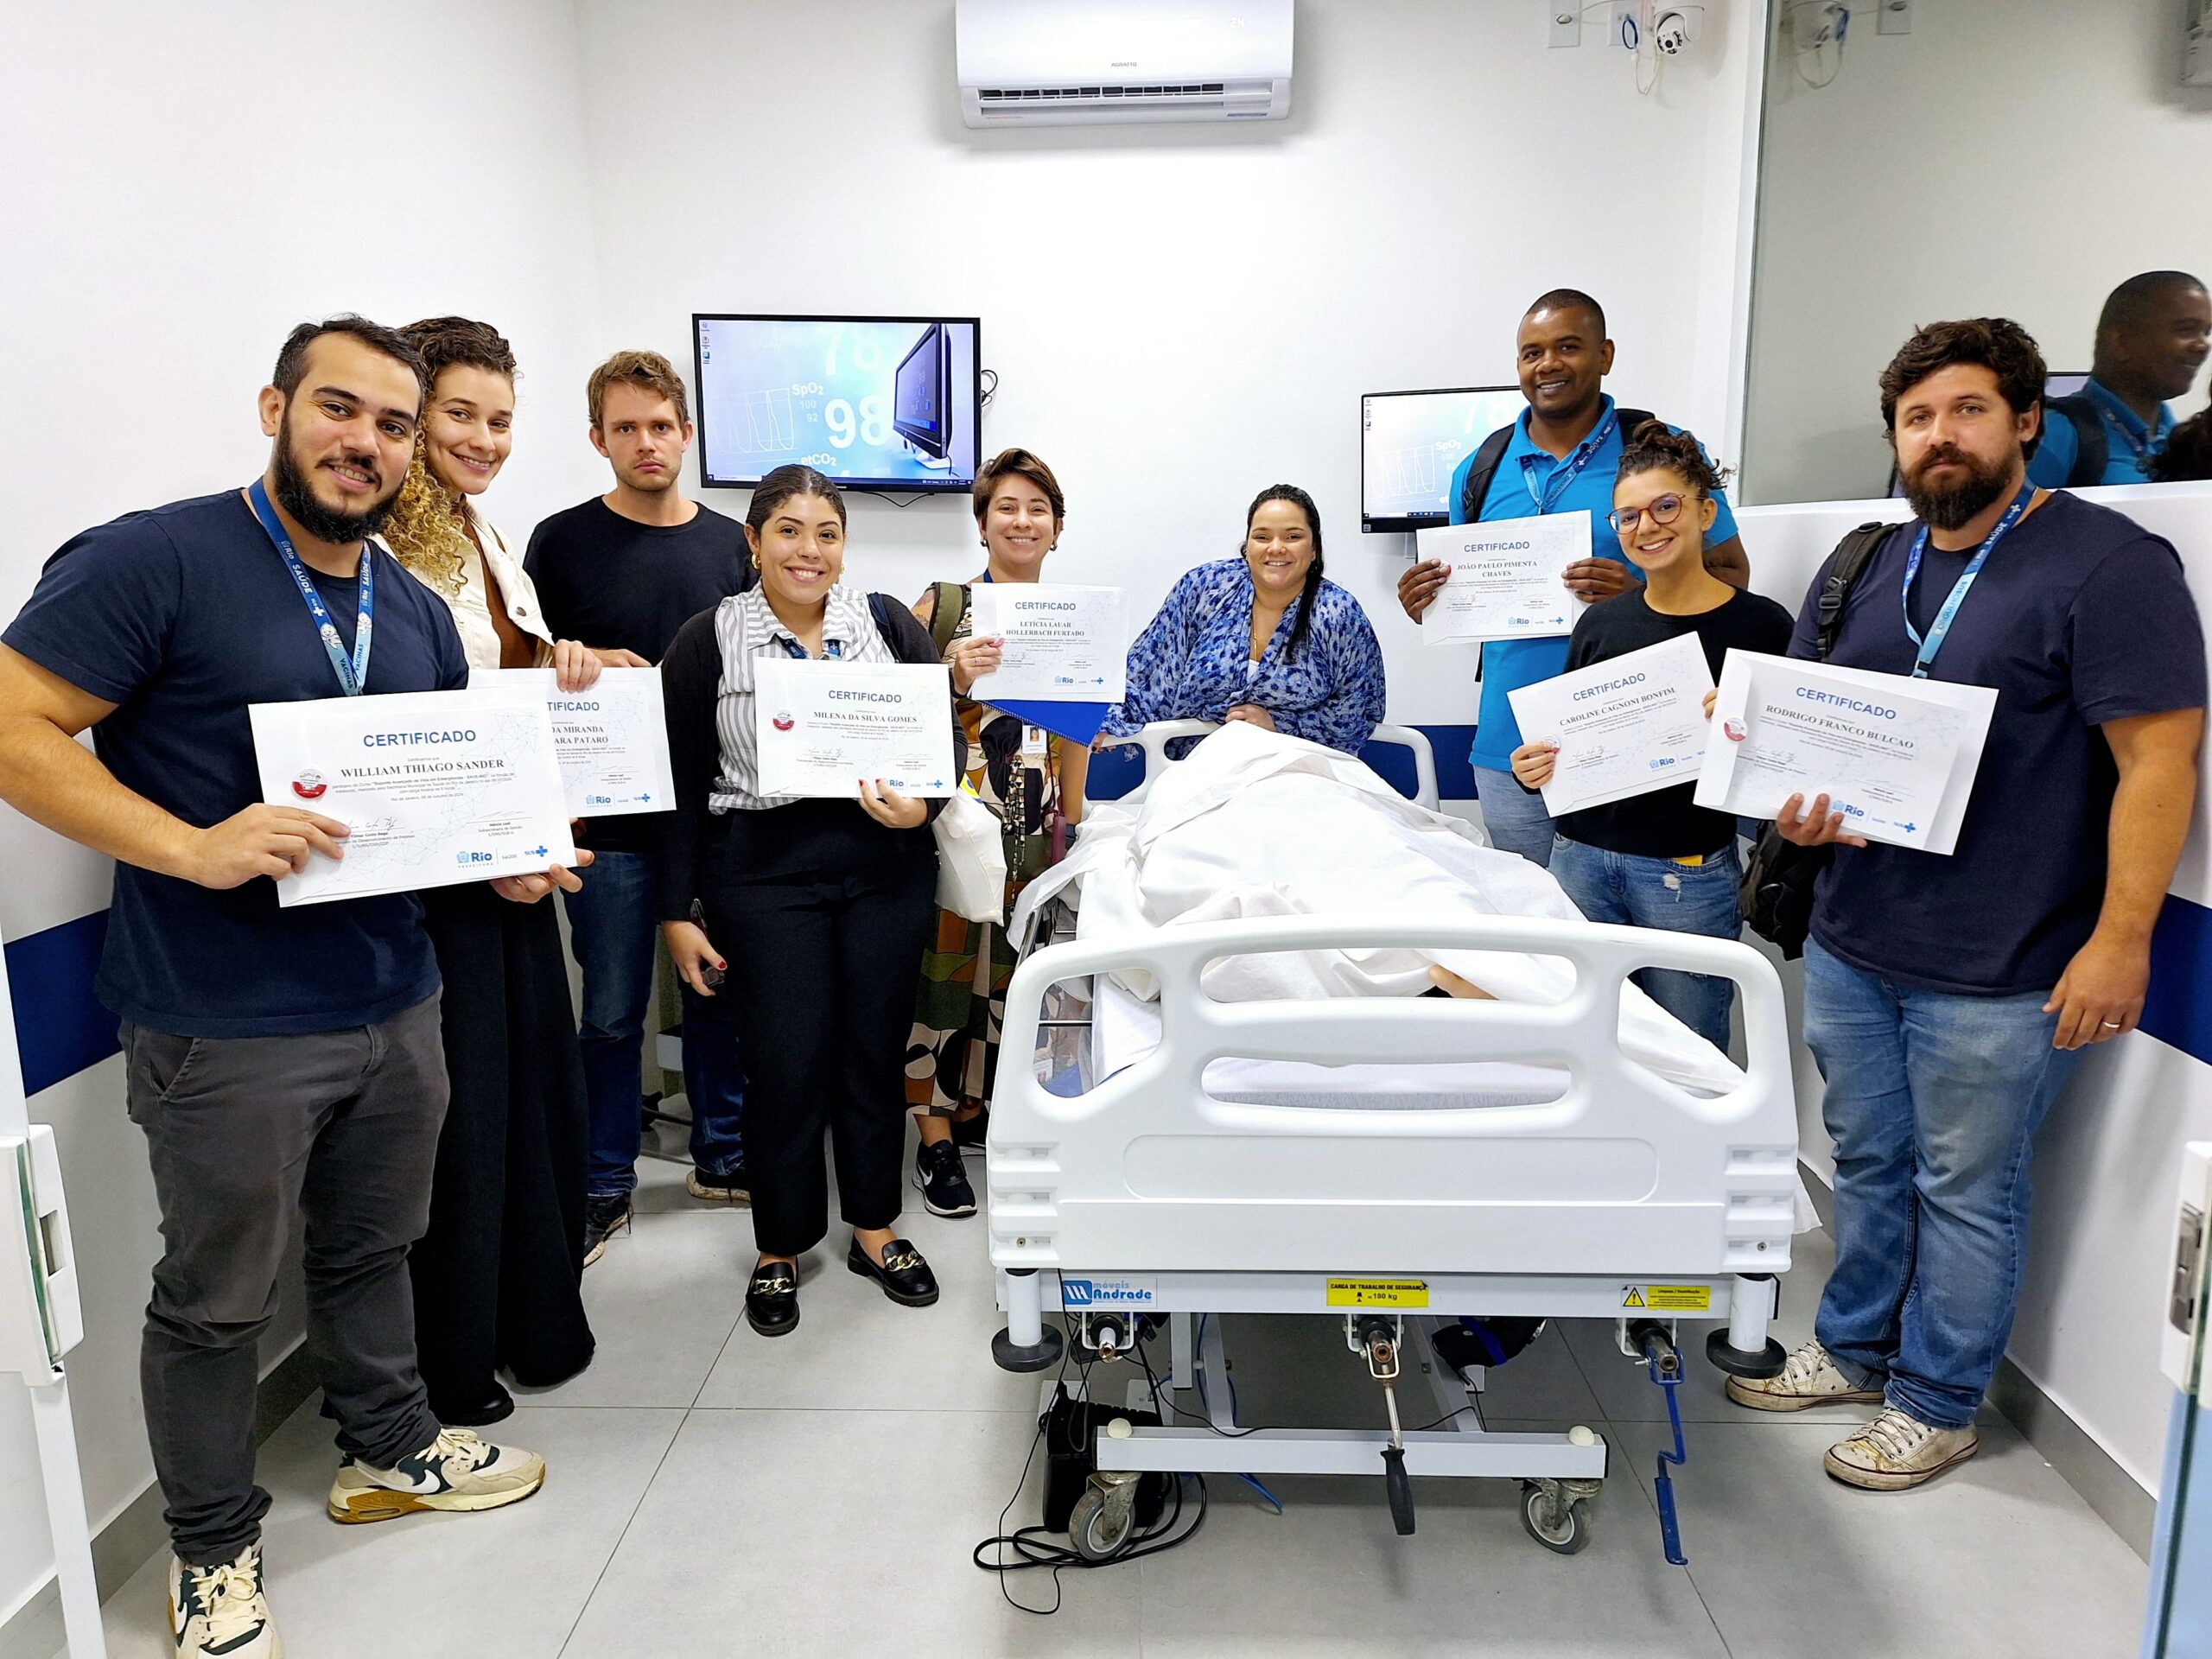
<point x="1660" y="860"/>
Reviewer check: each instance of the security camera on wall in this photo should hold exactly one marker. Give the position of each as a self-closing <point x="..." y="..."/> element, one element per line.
<point x="1673" y="29"/>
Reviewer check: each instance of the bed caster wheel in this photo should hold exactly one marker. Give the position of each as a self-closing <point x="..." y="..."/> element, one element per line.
<point x="1744" y="1362"/>
<point x="1041" y="1356"/>
<point x="1100" y="1525"/>
<point x="1399" y="1486"/>
<point x="1558" y="1522"/>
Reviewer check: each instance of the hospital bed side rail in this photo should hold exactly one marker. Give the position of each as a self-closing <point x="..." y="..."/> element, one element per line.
<point x="1625" y="1173"/>
<point x="1152" y="741"/>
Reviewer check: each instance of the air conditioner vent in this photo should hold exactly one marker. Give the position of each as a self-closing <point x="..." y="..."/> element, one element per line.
<point x="1060" y="94"/>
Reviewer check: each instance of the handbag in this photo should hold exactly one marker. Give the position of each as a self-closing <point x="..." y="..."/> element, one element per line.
<point x="970" y="859"/>
<point x="1776" y="892"/>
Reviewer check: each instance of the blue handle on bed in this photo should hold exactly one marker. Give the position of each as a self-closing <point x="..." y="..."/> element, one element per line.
<point x="1667" y="1376"/>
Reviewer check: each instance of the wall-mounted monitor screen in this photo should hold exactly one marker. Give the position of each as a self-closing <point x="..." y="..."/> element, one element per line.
<point x="875" y="403"/>
<point x="1410" y="443"/>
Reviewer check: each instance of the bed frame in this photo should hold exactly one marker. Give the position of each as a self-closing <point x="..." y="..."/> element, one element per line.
<point x="1146" y="1202"/>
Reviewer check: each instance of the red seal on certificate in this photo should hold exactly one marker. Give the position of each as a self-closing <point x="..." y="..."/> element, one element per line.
<point x="1737" y="731"/>
<point x="782" y="722"/>
<point x="309" y="786"/>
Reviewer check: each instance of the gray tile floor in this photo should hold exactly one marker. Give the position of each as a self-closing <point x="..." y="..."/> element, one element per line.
<point x="710" y="1493"/>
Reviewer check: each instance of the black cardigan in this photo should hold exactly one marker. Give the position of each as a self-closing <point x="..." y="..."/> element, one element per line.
<point x="690" y="685"/>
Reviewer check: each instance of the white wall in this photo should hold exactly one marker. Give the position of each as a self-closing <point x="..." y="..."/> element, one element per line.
<point x="2011" y="160"/>
<point x="184" y="184"/>
<point x="2108" y="1162"/>
<point x="1179" y="316"/>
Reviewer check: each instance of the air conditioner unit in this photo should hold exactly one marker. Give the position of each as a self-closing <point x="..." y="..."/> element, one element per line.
<point x="1071" y="62"/>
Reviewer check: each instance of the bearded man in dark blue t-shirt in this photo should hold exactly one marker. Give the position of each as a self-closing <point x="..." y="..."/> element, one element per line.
<point x="1947" y="999"/>
<point x="285" y="1065"/>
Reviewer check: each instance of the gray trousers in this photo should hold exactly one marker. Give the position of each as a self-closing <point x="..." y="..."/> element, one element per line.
<point x="248" y="1135"/>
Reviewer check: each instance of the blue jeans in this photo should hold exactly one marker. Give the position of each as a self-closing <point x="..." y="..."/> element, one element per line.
<point x="611" y="930"/>
<point x="1933" y="1101"/>
<point x="1515" y="818"/>
<point x="1659" y="893"/>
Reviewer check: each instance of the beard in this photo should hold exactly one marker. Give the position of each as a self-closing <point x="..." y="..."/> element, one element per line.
<point x="1955" y="501"/>
<point x="327" y="524"/>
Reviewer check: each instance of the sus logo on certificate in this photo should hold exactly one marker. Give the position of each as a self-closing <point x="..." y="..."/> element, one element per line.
<point x="782" y="722"/>
<point x="309" y="786"/>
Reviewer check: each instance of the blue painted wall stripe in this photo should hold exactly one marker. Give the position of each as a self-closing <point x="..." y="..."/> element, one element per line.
<point x="60" y="1028"/>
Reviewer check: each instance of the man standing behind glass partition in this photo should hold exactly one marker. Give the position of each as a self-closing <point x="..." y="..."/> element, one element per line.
<point x="1560" y="457"/>
<point x="1949" y="998"/>
<point x="2153" y="337"/>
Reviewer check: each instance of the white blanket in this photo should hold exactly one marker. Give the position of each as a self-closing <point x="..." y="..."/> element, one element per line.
<point x="1255" y="824"/>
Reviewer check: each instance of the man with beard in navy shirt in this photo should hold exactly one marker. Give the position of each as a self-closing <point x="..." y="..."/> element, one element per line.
<point x="1947" y="999"/>
<point x="285" y="1065"/>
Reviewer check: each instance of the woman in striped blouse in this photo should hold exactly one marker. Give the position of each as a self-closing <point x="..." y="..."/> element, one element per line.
<point x="830" y="903"/>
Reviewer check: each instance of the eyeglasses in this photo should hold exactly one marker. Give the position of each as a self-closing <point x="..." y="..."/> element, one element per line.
<point x="1664" y="510"/>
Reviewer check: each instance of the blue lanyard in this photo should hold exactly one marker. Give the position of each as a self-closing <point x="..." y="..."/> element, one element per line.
<point x="352" y="672"/>
<point x="833" y="651"/>
<point x="1565" y="473"/>
<point x="1944" y="618"/>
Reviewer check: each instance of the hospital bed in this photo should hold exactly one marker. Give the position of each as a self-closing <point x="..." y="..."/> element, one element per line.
<point x="1391" y="1164"/>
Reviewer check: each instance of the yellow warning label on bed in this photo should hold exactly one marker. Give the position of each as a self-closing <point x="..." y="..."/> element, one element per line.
<point x="1669" y="1299"/>
<point x="1378" y="1293"/>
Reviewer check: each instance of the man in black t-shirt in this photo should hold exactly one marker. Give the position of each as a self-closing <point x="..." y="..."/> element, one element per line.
<point x="1947" y="999"/>
<point x="631" y="567"/>
<point x="285" y="1065"/>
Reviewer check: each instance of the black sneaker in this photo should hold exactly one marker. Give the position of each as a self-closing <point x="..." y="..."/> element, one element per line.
<point x="605" y="1215"/>
<point x="771" y="1298"/>
<point x="969" y="1133"/>
<point x="943" y="1182"/>
<point x="906" y="1278"/>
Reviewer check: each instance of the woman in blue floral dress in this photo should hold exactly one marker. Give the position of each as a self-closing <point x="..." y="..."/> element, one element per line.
<point x="1260" y="638"/>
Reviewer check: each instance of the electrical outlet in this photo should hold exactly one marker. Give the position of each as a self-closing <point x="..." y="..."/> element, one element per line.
<point x="1893" y="16"/>
<point x="1566" y="22"/>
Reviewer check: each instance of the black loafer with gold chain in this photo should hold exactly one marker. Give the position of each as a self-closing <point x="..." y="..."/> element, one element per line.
<point x="906" y="1278"/>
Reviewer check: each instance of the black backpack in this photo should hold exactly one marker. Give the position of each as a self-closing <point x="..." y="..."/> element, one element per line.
<point x="1493" y="451"/>
<point x="1777" y="893"/>
<point x="2094" y="449"/>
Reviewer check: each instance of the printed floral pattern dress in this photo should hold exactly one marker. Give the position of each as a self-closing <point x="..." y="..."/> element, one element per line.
<point x="1013" y="766"/>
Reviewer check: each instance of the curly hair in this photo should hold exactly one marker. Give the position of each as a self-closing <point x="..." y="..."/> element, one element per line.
<point x="426" y="531"/>
<point x="2188" y="453"/>
<point x="1997" y="344"/>
<point x="1654" y="445"/>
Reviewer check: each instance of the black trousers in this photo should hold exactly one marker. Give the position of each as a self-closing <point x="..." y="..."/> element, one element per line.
<point x="497" y="1276"/>
<point x="822" y="914"/>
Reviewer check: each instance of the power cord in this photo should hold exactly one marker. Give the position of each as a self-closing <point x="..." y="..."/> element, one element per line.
<point x="1034" y="1545"/>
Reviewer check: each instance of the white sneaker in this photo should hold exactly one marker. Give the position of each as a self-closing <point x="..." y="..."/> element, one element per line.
<point x="457" y="1470"/>
<point x="1897" y="1449"/>
<point x="219" y="1613"/>
<point x="1808" y="1378"/>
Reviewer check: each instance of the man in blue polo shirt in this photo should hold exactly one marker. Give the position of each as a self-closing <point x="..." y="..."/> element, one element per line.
<point x="1559" y="457"/>
<point x="285" y="1065"/>
<point x="2153" y="337"/>
<point x="1949" y="998"/>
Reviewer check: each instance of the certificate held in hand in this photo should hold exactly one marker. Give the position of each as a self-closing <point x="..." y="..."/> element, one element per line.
<point x="611" y="741"/>
<point x="1507" y="578"/>
<point x="820" y="727"/>
<point x="1895" y="756"/>
<point x="437" y="787"/>
<point x="1063" y="643"/>
<point x="1625" y="726"/>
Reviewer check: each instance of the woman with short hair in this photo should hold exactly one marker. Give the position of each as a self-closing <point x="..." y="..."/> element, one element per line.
<point x="1031" y="779"/>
